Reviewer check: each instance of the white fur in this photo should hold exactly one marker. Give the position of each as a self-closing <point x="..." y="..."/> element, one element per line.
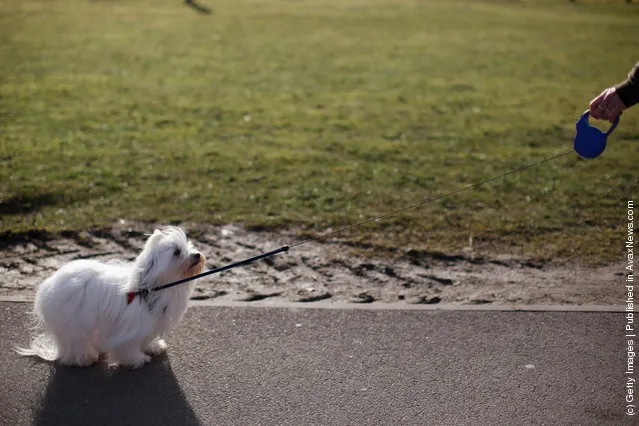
<point x="83" y="311"/>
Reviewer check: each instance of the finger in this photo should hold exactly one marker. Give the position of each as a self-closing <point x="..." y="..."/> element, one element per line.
<point x="596" y="113"/>
<point x="614" y="112"/>
<point x="603" y="110"/>
<point x="595" y="106"/>
<point x="610" y="114"/>
<point x="597" y="100"/>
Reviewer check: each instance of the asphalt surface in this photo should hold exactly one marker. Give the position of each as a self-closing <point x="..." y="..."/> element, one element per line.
<point x="247" y="366"/>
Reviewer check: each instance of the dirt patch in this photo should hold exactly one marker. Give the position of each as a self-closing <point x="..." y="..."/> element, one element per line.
<point x="317" y="271"/>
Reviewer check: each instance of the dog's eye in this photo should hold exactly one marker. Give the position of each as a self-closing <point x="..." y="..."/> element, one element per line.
<point x="177" y="252"/>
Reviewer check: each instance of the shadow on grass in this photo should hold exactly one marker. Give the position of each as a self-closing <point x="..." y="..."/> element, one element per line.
<point x="150" y="395"/>
<point x="22" y="203"/>
<point x="198" y="7"/>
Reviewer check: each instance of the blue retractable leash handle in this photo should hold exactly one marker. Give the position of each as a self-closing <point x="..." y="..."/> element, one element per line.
<point x="590" y="142"/>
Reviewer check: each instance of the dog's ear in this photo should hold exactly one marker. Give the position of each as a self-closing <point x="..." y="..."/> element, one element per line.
<point x="155" y="237"/>
<point x="146" y="274"/>
<point x="148" y="279"/>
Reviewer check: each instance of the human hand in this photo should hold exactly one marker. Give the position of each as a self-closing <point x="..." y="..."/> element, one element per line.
<point x="606" y="106"/>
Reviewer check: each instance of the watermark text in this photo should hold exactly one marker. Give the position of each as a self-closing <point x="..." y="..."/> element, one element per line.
<point x="630" y="335"/>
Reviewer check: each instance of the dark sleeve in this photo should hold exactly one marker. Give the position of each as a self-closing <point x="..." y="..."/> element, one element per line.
<point x="628" y="90"/>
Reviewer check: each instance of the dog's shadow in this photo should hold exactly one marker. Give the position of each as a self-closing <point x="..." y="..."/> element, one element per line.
<point x="100" y="395"/>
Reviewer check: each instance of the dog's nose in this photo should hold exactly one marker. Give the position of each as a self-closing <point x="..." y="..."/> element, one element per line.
<point x="196" y="258"/>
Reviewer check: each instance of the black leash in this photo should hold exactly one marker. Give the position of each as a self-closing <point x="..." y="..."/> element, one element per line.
<point x="131" y="295"/>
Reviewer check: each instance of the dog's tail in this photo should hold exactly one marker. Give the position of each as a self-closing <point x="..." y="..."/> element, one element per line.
<point x="42" y="346"/>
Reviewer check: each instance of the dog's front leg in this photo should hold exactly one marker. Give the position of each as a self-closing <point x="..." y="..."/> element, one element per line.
<point x="130" y="355"/>
<point x="155" y="346"/>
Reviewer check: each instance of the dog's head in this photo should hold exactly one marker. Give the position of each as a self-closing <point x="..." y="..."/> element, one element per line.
<point x="167" y="256"/>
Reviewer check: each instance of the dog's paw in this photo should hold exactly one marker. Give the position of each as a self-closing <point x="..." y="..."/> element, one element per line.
<point x="133" y="362"/>
<point x="156" y="347"/>
<point x="89" y="360"/>
<point x="136" y="363"/>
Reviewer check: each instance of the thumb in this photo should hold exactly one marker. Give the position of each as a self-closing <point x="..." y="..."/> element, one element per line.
<point x="594" y="105"/>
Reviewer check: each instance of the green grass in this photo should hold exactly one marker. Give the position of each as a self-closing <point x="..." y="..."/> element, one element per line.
<point x="317" y="114"/>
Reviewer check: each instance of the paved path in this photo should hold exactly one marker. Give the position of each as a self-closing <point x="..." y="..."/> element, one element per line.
<point x="247" y="366"/>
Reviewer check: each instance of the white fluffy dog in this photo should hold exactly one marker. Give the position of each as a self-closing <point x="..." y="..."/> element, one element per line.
<point x="84" y="311"/>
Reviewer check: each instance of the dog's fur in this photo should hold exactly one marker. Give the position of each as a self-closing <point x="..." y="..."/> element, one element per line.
<point x="83" y="311"/>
